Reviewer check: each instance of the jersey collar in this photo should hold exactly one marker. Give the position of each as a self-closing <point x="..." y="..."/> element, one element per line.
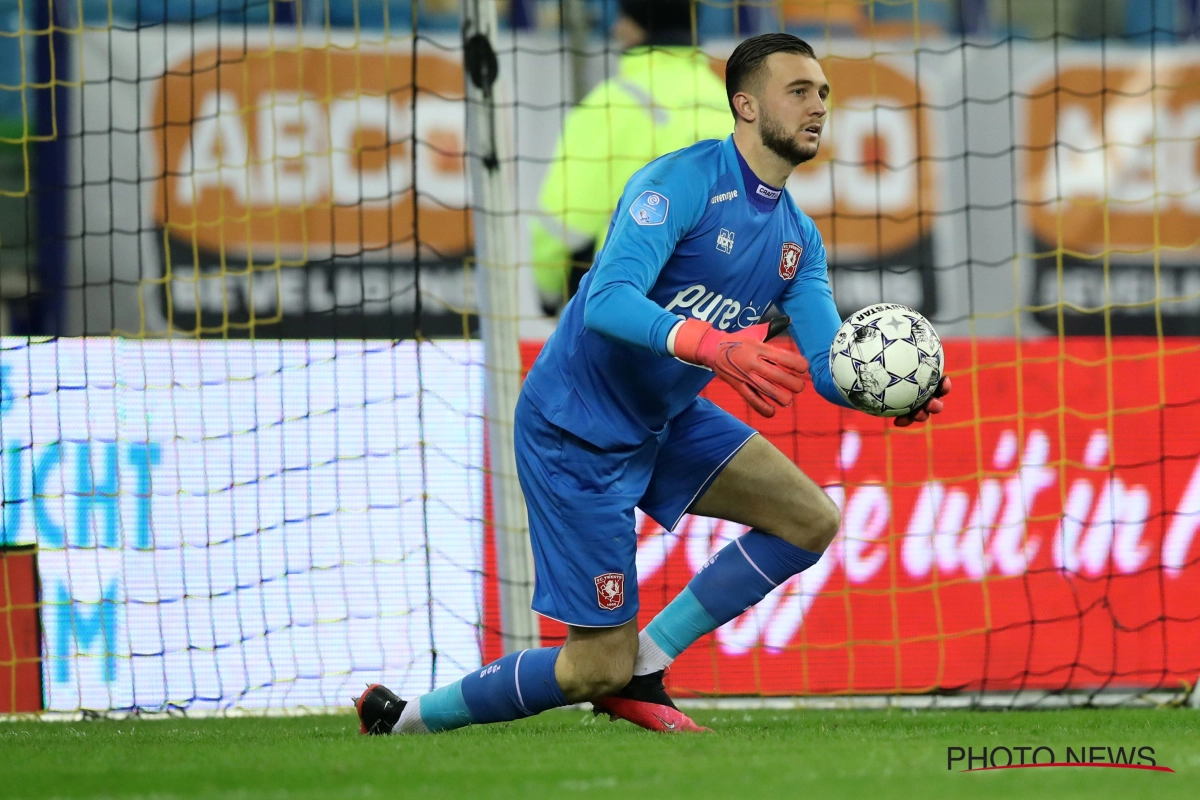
<point x="762" y="196"/>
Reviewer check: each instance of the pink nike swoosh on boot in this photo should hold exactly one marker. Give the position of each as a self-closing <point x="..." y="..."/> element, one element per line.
<point x="651" y="716"/>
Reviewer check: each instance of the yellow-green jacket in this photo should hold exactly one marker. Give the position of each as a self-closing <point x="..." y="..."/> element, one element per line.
<point x="661" y="100"/>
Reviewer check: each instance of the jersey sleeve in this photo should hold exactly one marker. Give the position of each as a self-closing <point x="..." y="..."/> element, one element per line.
<point x="661" y="204"/>
<point x="808" y="300"/>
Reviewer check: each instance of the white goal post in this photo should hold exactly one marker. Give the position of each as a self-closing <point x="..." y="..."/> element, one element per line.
<point x="490" y="160"/>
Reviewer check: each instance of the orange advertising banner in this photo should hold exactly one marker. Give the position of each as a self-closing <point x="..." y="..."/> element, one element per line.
<point x="311" y="189"/>
<point x="277" y="153"/>
<point x="1113" y="163"/>
<point x="1111" y="185"/>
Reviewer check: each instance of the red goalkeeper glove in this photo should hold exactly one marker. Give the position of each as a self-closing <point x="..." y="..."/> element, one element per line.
<point x="766" y="377"/>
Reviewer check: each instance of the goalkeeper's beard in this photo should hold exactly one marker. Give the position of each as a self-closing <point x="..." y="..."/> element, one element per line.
<point x="776" y="139"/>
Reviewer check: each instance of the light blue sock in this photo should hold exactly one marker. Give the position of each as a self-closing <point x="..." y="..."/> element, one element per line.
<point x="514" y="687"/>
<point x="739" y="576"/>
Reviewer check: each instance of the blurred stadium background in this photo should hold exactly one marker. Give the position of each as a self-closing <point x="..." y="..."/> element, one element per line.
<point x="270" y="272"/>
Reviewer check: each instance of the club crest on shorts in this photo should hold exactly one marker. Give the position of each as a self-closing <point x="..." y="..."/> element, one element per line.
<point x="610" y="590"/>
<point x="789" y="260"/>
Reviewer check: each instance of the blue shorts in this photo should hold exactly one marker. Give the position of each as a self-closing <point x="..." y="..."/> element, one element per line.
<point x="581" y="501"/>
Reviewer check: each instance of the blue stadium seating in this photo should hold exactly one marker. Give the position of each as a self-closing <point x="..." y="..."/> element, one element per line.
<point x="1145" y="21"/>
<point x="938" y="13"/>
<point x="135" y="13"/>
<point x="371" y="16"/>
<point x="1149" y="21"/>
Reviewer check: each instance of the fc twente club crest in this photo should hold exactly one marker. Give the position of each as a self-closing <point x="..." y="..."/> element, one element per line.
<point x="789" y="260"/>
<point x="610" y="590"/>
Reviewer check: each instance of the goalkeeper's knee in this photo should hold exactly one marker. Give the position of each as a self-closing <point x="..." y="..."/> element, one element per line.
<point x="812" y="528"/>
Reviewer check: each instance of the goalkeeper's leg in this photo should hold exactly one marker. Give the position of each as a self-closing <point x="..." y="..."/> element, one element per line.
<point x="739" y="476"/>
<point x="792" y="522"/>
<point x="592" y="663"/>
<point x="581" y="499"/>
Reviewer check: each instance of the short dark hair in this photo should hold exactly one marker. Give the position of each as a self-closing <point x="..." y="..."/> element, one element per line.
<point x="748" y="58"/>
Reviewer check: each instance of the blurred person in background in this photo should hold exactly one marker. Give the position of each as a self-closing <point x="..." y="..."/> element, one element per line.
<point x="665" y="96"/>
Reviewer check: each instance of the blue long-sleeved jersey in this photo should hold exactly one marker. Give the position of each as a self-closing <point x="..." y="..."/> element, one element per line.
<point x="687" y="238"/>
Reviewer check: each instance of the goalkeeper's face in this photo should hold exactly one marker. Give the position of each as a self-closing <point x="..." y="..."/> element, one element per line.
<point x="792" y="110"/>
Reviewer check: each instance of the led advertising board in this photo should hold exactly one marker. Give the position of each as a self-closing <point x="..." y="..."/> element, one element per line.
<point x="245" y="523"/>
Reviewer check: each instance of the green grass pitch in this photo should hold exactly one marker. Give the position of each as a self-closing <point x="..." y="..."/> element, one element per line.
<point x="809" y="754"/>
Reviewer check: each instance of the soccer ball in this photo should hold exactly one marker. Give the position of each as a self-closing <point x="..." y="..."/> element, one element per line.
<point x="886" y="360"/>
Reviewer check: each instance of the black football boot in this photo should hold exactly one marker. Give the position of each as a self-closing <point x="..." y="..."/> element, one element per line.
<point x="378" y="710"/>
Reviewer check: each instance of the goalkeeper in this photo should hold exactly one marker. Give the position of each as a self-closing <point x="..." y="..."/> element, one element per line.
<point x="664" y="96"/>
<point x="703" y="241"/>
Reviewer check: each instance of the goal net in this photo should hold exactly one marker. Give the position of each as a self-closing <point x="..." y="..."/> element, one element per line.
<point x="252" y="459"/>
<point x="279" y="268"/>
